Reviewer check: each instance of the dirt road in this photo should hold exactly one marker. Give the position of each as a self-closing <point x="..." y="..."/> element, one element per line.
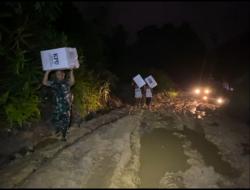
<point x="163" y="148"/>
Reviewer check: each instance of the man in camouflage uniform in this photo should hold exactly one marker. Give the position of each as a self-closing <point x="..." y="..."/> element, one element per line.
<point x="63" y="100"/>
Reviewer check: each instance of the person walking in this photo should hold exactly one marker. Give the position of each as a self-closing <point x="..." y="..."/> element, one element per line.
<point x="149" y="96"/>
<point x="63" y="99"/>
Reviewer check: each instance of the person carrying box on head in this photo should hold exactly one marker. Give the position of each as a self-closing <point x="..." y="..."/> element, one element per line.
<point x="149" y="96"/>
<point x="62" y="111"/>
<point x="137" y="95"/>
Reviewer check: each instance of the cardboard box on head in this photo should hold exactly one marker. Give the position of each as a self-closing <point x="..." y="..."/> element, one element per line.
<point x="139" y="81"/>
<point x="59" y="59"/>
<point x="151" y="81"/>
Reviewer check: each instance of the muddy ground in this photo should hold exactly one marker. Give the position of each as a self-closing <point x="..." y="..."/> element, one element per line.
<point x="179" y="144"/>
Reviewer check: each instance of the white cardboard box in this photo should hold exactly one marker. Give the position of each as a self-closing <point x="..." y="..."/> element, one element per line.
<point x="139" y="80"/>
<point x="60" y="58"/>
<point x="151" y="81"/>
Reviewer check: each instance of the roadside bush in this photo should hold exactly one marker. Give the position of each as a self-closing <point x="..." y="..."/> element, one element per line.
<point x="26" y="29"/>
<point x="90" y="93"/>
<point x="20" y="69"/>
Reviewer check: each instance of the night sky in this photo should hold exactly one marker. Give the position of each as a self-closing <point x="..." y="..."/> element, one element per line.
<point x="222" y="19"/>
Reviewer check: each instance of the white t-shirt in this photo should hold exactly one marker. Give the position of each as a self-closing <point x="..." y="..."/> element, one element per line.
<point x="138" y="93"/>
<point x="149" y="93"/>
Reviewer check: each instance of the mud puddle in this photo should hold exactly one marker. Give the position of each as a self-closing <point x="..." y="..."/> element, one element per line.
<point x="162" y="151"/>
<point x="210" y="153"/>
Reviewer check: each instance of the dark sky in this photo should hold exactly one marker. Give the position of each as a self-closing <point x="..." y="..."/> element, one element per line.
<point x="225" y="19"/>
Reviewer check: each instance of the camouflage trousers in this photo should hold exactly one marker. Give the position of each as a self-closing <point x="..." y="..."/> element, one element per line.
<point x="61" y="122"/>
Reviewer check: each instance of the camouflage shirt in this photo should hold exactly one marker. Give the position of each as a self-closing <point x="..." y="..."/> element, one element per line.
<point x="62" y="93"/>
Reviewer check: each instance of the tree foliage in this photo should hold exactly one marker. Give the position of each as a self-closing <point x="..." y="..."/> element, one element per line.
<point x="26" y="28"/>
<point x="20" y="45"/>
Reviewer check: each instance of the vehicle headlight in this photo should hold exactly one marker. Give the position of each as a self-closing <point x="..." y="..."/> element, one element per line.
<point x="204" y="98"/>
<point x="220" y="100"/>
<point x="207" y="91"/>
<point x="197" y="91"/>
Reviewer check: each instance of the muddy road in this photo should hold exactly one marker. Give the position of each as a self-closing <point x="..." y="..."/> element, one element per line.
<point x="173" y="146"/>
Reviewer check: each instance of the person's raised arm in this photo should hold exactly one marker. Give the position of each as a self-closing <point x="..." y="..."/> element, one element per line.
<point x="71" y="78"/>
<point x="45" y="78"/>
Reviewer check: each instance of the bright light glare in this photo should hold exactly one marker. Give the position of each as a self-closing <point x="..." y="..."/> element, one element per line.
<point x="207" y="91"/>
<point x="204" y="97"/>
<point x="220" y="100"/>
<point x="197" y="91"/>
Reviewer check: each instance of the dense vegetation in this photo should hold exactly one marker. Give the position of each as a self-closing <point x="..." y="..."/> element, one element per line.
<point x="27" y="28"/>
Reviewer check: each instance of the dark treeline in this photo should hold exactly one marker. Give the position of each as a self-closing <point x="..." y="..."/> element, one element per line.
<point x="233" y="65"/>
<point x="233" y="57"/>
<point x="176" y="51"/>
